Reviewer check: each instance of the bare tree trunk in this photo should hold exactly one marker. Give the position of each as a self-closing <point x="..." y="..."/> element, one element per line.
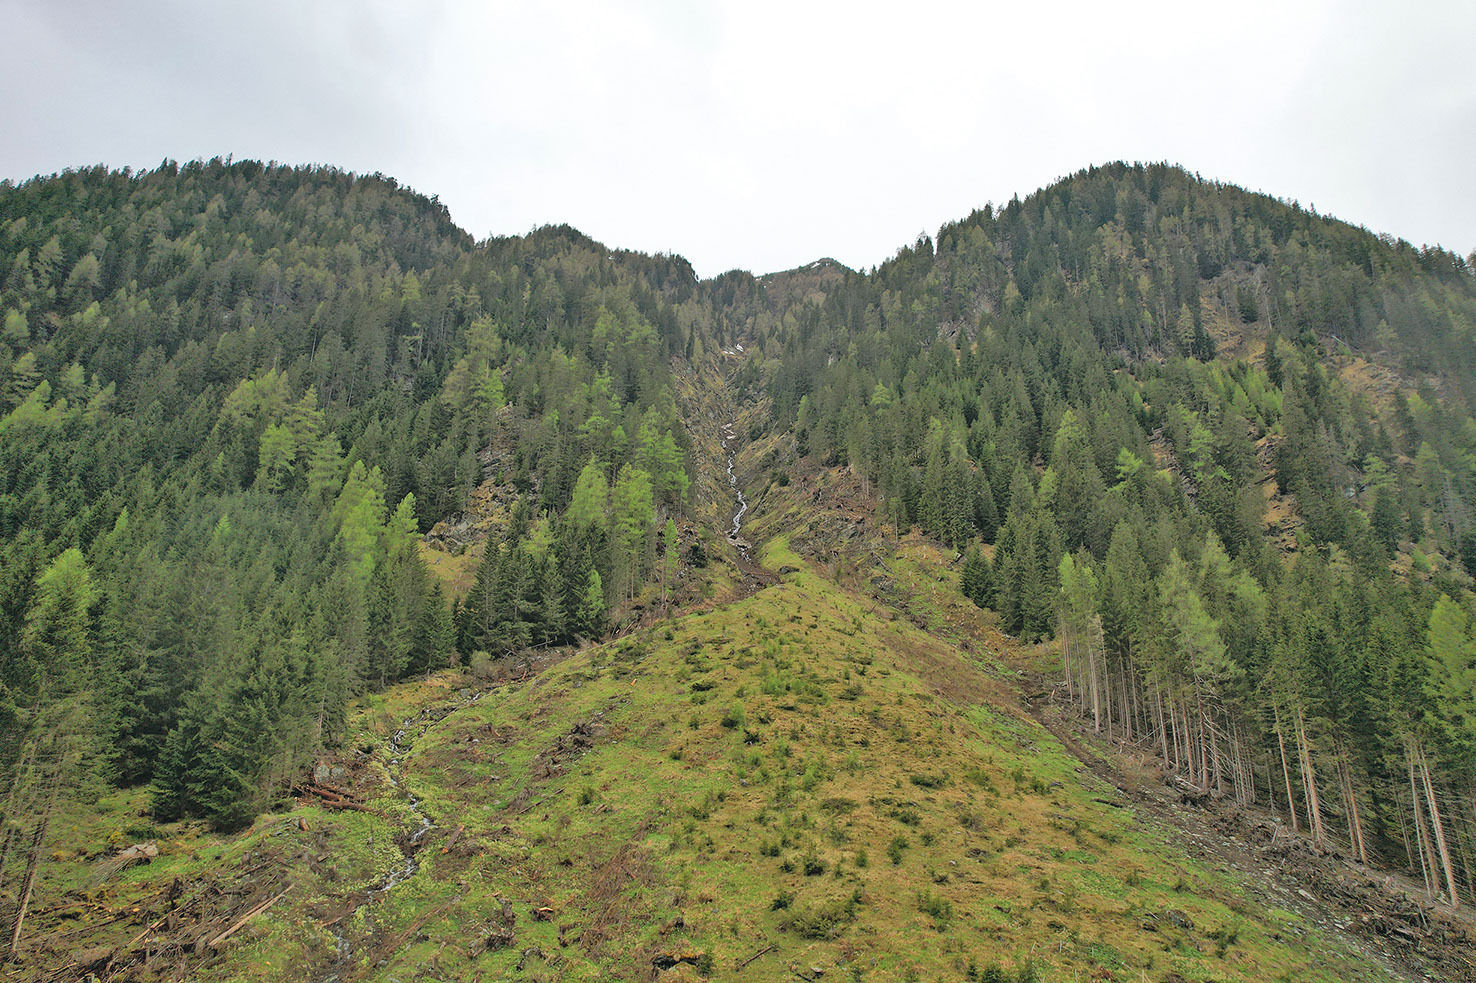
<point x="1309" y="783"/>
<point x="1217" y="761"/>
<point x="1237" y="767"/>
<point x="1190" y="757"/>
<point x="1137" y="716"/>
<point x="1271" y="789"/>
<point x="1174" y="737"/>
<point x="1291" y="803"/>
<point x="1162" y="730"/>
<point x="1190" y="761"/>
<point x="1215" y="770"/>
<point x="1427" y="854"/>
<point x="1355" y="823"/>
<point x="1140" y="685"/>
<point x="33" y="861"/>
<point x="1246" y="766"/>
<point x="1437" y="827"/>
<point x="1091" y="643"/>
<point x="1125" y="707"/>
<point x="1066" y="664"/>
<point x="1214" y="775"/>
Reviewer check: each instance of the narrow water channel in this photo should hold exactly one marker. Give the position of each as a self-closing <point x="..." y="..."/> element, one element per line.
<point x="396" y="748"/>
<point x="394" y="751"/>
<point x="728" y="439"/>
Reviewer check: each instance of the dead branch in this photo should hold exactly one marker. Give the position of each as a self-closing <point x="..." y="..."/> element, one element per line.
<point x="248" y="916"/>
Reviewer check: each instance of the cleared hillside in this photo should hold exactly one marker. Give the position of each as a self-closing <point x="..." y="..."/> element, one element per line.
<point x="374" y="602"/>
<point x="799" y="782"/>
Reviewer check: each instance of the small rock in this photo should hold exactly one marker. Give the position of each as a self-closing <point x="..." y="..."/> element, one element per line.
<point x="142" y="852"/>
<point x="670" y="960"/>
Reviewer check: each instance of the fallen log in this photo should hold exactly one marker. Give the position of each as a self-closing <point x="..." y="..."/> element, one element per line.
<point x="215" y="942"/>
<point x="127" y="947"/>
<point x="334" y="799"/>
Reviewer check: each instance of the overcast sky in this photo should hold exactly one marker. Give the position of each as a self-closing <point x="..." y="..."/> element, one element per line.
<point x="763" y="134"/>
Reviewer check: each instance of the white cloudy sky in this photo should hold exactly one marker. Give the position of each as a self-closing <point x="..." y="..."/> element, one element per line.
<point x="764" y="134"/>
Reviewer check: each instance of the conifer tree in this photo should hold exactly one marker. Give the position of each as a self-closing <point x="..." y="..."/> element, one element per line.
<point x="975" y="581"/>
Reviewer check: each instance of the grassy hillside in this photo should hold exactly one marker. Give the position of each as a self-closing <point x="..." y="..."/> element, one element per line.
<point x="799" y="782"/>
<point x="279" y="448"/>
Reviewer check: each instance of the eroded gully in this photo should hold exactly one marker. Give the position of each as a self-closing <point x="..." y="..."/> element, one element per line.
<point x="728" y="439"/>
<point x="400" y="743"/>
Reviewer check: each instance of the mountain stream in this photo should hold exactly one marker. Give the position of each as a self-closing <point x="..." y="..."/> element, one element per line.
<point x="728" y="438"/>
<point x="395" y="749"/>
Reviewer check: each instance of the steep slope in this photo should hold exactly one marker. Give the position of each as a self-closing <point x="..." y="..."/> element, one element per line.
<point x="1218" y="448"/>
<point x="1141" y="482"/>
<point x="233" y="395"/>
<point x="793" y="783"/>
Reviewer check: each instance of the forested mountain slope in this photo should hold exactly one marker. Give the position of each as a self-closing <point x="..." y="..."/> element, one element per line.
<point x="1125" y="387"/>
<point x="1214" y="451"/>
<point x="234" y="396"/>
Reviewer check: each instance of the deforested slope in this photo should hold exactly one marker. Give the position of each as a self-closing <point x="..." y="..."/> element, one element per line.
<point x="797" y="782"/>
<point x="368" y="599"/>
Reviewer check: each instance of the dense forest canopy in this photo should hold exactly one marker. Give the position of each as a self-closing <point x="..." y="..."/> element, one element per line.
<point x="1218" y="447"/>
<point x="235" y="396"/>
<point x="1115" y="387"/>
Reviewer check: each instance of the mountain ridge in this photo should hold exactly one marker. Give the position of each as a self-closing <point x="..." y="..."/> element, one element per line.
<point x="1180" y="473"/>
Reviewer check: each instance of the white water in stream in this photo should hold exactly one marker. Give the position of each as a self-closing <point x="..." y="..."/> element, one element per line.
<point x="394" y="749"/>
<point x="733" y="483"/>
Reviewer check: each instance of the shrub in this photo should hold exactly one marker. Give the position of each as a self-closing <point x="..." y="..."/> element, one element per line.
<point x="822" y="921"/>
<point x="940" y="910"/>
<point x="929" y="781"/>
